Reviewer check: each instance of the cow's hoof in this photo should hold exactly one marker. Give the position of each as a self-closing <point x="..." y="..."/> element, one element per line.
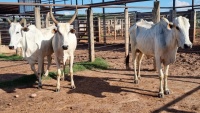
<point x="167" y="92"/>
<point x="160" y="95"/>
<point x="57" y="90"/>
<point x="139" y="77"/>
<point x="73" y="87"/>
<point x="136" y="81"/>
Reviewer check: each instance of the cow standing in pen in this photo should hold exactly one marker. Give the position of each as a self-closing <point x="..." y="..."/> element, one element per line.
<point x="64" y="44"/>
<point x="35" y="43"/>
<point x="161" y="41"/>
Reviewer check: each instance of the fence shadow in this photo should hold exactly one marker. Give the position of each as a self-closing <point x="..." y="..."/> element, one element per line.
<point x="166" y="106"/>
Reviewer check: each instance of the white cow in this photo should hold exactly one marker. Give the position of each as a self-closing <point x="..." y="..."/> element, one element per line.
<point x="64" y="44"/>
<point x="111" y="27"/>
<point x="161" y="41"/>
<point x="35" y="43"/>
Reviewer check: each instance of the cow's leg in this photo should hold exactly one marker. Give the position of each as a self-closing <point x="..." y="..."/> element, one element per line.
<point x="33" y="69"/>
<point x="64" y="66"/>
<point x="58" y="74"/>
<point x="42" y="71"/>
<point x="49" y="59"/>
<point x="139" y="63"/>
<point x="134" y="56"/>
<point x="161" y="76"/>
<point x="71" y="60"/>
<point x="166" y="90"/>
<point x="40" y="68"/>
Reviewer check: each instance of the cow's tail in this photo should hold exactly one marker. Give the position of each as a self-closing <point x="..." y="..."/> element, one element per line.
<point x="127" y="62"/>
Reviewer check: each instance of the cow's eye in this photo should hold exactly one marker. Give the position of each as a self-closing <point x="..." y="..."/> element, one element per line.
<point x="17" y="32"/>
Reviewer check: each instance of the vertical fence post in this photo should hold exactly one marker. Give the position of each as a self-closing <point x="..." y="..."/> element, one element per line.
<point x="156" y="12"/>
<point x="192" y="30"/>
<point x="99" y="28"/>
<point x="96" y="28"/>
<point x="156" y="19"/>
<point x="37" y="17"/>
<point x="122" y="26"/>
<point x="126" y="17"/>
<point x="115" y="27"/>
<point x="104" y="26"/>
<point x="0" y="37"/>
<point x="90" y="34"/>
<point x="172" y="14"/>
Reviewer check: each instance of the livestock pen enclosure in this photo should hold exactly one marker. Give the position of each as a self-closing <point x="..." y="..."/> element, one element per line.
<point x="100" y="89"/>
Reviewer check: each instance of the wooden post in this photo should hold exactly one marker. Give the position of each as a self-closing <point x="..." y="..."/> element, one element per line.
<point x="192" y="30"/>
<point x="90" y="35"/>
<point x="37" y="17"/>
<point x="104" y="26"/>
<point x="0" y="37"/>
<point x="126" y="17"/>
<point x="172" y="15"/>
<point x="96" y="28"/>
<point x="156" y="19"/>
<point x="122" y="25"/>
<point x="99" y="28"/>
<point x="115" y="28"/>
<point x="156" y="12"/>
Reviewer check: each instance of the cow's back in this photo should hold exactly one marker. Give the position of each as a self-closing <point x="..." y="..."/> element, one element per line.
<point x="142" y="37"/>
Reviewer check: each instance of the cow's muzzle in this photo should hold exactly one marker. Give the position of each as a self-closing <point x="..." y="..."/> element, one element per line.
<point x="65" y="47"/>
<point x="11" y="47"/>
<point x="187" y="46"/>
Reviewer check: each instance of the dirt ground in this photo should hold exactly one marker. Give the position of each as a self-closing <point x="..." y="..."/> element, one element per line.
<point x="107" y="91"/>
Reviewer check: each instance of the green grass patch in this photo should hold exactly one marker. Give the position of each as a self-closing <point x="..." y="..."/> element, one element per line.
<point x="99" y="63"/>
<point x="30" y="79"/>
<point x="10" y="57"/>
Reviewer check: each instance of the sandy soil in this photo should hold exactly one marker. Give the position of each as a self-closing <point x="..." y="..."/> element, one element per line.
<point x="107" y="91"/>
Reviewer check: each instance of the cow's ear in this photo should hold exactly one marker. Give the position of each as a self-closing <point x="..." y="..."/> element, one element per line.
<point x="170" y="25"/>
<point x="25" y="29"/>
<point x="72" y="31"/>
<point x="54" y="31"/>
<point x="177" y="28"/>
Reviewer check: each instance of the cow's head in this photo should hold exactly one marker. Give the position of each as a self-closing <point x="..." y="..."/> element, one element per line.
<point x="64" y="29"/>
<point x="15" y="32"/>
<point x="181" y="26"/>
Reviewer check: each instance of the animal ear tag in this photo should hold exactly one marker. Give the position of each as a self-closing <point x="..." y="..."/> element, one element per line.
<point x="72" y="31"/>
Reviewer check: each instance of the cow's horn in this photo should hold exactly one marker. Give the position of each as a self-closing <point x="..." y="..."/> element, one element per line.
<point x="73" y="17"/>
<point x="8" y="20"/>
<point x="15" y="20"/>
<point x="47" y="20"/>
<point x="23" y="21"/>
<point x="54" y="20"/>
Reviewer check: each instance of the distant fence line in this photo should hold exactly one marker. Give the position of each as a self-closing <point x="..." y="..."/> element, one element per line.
<point x="92" y="27"/>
